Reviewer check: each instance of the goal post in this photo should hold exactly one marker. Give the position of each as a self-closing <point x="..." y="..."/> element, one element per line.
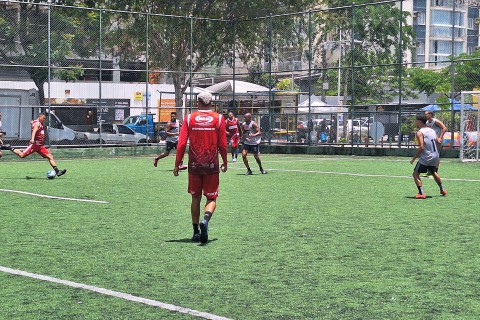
<point x="470" y="126"/>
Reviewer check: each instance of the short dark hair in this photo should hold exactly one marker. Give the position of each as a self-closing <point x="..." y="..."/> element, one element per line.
<point x="422" y="118"/>
<point x="173" y="112"/>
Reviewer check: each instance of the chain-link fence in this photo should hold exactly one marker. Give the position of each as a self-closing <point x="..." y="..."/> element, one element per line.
<point x="351" y="75"/>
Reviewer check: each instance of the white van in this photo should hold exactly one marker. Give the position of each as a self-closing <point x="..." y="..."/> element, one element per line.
<point x="57" y="131"/>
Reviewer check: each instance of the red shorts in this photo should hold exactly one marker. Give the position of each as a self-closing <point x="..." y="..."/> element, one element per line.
<point x="206" y="182"/>
<point x="234" y="140"/>
<point x="32" y="148"/>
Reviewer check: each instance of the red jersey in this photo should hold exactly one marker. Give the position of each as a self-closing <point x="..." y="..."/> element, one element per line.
<point x="231" y="126"/>
<point x="206" y="131"/>
<point x="39" y="139"/>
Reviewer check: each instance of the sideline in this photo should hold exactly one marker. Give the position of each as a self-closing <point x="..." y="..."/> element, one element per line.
<point x="117" y="294"/>
<point x="53" y="197"/>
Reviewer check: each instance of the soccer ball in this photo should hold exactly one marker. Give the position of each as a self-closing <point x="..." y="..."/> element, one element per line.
<point x="51" y="174"/>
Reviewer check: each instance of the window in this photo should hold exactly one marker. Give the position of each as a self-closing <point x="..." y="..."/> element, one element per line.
<point x="420" y="48"/>
<point x="446" y="32"/>
<point x="445" y="47"/>
<point x="419" y="18"/>
<point x="442" y="17"/>
<point x="471" y="23"/>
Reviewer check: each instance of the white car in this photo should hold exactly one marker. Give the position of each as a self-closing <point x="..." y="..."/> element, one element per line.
<point x="113" y="134"/>
<point x="355" y="125"/>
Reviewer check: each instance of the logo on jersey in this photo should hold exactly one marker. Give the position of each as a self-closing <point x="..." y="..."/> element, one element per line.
<point x="203" y="119"/>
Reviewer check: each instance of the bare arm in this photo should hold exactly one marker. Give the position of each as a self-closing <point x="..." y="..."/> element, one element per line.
<point x="421" y="146"/>
<point x="34" y="132"/>
<point x="443" y="127"/>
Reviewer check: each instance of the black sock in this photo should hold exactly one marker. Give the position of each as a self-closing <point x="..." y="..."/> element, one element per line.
<point x="207" y="215"/>
<point x="195" y="228"/>
<point x="420" y="190"/>
<point x="56" y="169"/>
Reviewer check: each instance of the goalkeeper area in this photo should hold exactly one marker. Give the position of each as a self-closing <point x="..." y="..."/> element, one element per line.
<point x="318" y="237"/>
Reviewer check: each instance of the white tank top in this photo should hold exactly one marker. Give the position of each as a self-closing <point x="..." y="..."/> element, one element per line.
<point x="429" y="156"/>
<point x="247" y="129"/>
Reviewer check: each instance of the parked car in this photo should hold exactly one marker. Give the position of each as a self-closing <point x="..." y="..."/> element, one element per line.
<point x="355" y="126"/>
<point x="113" y="134"/>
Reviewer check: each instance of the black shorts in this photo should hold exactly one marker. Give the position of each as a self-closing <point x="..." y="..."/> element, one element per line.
<point x="420" y="168"/>
<point x="171" y="145"/>
<point x="251" y="148"/>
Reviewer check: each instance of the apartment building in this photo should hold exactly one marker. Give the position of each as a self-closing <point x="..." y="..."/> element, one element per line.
<point x="443" y="28"/>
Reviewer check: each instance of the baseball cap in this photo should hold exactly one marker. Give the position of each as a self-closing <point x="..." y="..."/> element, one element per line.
<point x="205" y="97"/>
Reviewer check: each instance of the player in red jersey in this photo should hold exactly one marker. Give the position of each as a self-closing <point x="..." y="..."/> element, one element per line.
<point x="205" y="129"/>
<point x="37" y="144"/>
<point x="233" y="134"/>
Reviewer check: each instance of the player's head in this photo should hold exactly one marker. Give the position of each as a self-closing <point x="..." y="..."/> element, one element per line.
<point x="421" y="120"/>
<point x="230" y="115"/>
<point x="41" y="117"/>
<point x="173" y="115"/>
<point x="248" y="117"/>
<point x="204" y="99"/>
<point x="429" y="114"/>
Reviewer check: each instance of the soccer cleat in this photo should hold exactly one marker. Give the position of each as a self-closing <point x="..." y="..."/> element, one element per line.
<point x="155" y="162"/>
<point x="204" y="231"/>
<point x="263" y="171"/>
<point x="61" y="172"/>
<point x="443" y="192"/>
<point x="248" y="173"/>
<point x="234" y="159"/>
<point x="196" y="237"/>
<point x="182" y="167"/>
<point x="421" y="196"/>
<point x="6" y="147"/>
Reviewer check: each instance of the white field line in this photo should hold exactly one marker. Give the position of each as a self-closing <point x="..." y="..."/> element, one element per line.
<point x="117" y="294"/>
<point x="53" y="197"/>
<point x="358" y="174"/>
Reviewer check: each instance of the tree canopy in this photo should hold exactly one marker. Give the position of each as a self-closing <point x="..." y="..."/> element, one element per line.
<point x="24" y="43"/>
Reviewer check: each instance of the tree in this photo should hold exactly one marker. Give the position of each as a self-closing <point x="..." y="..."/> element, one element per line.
<point x="376" y="37"/>
<point x="215" y="26"/>
<point x="24" y="43"/>
<point x="466" y="77"/>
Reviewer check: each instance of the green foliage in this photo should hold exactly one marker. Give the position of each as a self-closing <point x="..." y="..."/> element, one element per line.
<point x="25" y="39"/>
<point x="285" y="84"/>
<point x="376" y="30"/>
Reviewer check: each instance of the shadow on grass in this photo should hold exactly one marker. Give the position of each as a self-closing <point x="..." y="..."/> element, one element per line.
<point x="188" y="240"/>
<point x="428" y="197"/>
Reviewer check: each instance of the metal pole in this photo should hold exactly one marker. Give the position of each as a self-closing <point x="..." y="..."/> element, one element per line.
<point x="100" y="77"/>
<point x="452" y="75"/>
<point x="352" y="106"/>
<point x="49" y="57"/>
<point x="270" y="93"/>
<point x="310" y="50"/>
<point x="234" y="65"/>
<point x="339" y="68"/>
<point x="147" y="66"/>
<point x="400" y="69"/>
<point x="190" y="103"/>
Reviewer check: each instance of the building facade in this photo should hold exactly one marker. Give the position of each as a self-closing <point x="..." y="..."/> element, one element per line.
<point x="443" y="28"/>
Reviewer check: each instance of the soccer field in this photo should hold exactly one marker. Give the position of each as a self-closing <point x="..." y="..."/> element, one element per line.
<point x="316" y="238"/>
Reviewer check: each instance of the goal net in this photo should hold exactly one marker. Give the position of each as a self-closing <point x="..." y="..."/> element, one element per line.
<point x="469" y="126"/>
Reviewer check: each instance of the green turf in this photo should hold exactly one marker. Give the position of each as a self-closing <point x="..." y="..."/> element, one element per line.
<point x="312" y="239"/>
